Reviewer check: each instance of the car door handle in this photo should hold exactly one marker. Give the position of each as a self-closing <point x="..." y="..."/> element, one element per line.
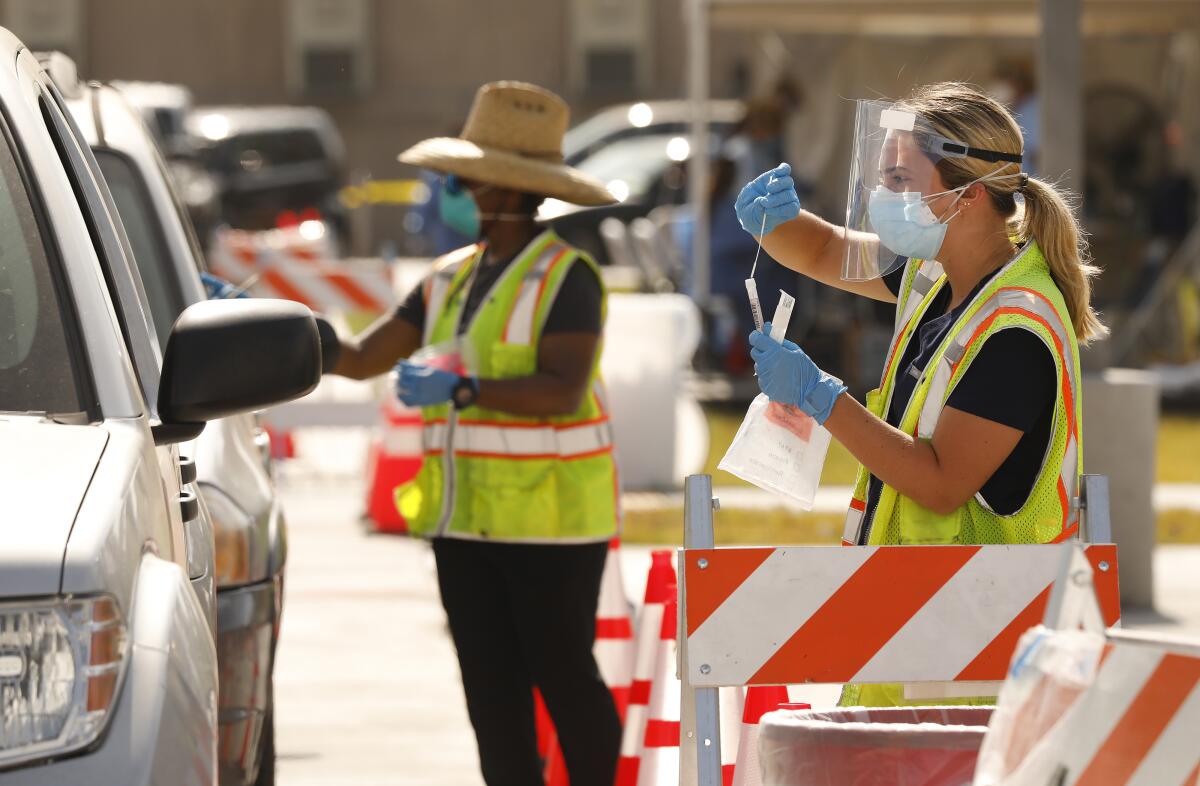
<point x="187" y="470"/>
<point x="189" y="506"/>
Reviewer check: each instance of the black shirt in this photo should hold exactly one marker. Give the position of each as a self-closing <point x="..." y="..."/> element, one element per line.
<point x="1011" y="380"/>
<point x="576" y="309"/>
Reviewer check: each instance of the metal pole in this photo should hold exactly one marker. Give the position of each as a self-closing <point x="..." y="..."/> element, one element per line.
<point x="696" y="12"/>
<point x="1060" y="93"/>
<point x="699" y="710"/>
<point x="1097" y="519"/>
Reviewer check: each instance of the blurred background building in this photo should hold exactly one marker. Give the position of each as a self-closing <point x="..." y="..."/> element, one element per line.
<point x="390" y="72"/>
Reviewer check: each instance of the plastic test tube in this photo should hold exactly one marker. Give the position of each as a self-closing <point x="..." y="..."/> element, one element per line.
<point x="755" y="306"/>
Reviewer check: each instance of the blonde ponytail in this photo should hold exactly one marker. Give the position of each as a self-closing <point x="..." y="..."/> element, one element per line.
<point x="963" y="112"/>
<point x="1049" y="220"/>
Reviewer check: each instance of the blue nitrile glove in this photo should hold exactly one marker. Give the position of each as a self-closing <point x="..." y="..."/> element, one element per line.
<point x="218" y="288"/>
<point x="771" y="195"/>
<point x="423" y="386"/>
<point x="788" y="375"/>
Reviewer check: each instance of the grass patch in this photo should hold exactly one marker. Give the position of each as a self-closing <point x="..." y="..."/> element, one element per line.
<point x="1178" y="459"/>
<point x="737" y="527"/>
<point x="1174" y="526"/>
<point x="780" y="527"/>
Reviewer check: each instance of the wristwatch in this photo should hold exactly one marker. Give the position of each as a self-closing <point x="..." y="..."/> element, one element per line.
<point x="464" y="392"/>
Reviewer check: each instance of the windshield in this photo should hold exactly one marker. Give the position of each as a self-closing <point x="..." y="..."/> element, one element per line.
<point x="150" y="251"/>
<point x="37" y="370"/>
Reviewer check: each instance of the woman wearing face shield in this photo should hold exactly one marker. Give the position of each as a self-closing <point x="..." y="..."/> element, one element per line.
<point x="973" y="435"/>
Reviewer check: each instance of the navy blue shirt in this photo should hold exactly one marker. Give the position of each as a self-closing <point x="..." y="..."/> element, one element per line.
<point x="1011" y="380"/>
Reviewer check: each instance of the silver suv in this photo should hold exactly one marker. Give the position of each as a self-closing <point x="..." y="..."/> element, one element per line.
<point x="231" y="455"/>
<point x="108" y="668"/>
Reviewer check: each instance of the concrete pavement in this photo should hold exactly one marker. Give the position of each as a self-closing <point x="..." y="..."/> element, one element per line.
<point x="367" y="688"/>
<point x="366" y="685"/>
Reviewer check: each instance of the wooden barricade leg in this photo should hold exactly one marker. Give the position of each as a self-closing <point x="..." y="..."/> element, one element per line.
<point x="699" y="709"/>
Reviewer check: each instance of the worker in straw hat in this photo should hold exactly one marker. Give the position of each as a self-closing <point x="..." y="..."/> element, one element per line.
<point x="518" y="487"/>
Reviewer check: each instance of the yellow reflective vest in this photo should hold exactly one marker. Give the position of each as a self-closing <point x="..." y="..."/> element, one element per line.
<point x="492" y="475"/>
<point x="1022" y="295"/>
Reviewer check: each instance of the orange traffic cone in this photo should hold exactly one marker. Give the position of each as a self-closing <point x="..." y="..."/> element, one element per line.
<point x="759" y="701"/>
<point x="614" y="648"/>
<point x="283" y="445"/>
<point x="660" y="583"/>
<point x="394" y="458"/>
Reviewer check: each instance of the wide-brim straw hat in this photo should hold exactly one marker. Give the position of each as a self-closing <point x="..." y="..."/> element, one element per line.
<point x="513" y="139"/>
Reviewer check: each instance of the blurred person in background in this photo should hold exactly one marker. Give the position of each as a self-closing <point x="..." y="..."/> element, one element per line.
<point x="1015" y="88"/>
<point x="518" y="489"/>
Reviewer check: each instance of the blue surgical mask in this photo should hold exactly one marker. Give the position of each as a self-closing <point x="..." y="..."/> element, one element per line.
<point x="458" y="209"/>
<point x="905" y="224"/>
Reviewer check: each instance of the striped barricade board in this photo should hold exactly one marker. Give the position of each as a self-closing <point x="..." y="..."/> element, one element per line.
<point x="280" y="263"/>
<point x="869" y="614"/>
<point x="1080" y="710"/>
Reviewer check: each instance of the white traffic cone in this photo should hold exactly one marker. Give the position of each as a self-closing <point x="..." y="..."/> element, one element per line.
<point x="660" y="583"/>
<point x="614" y="647"/>
<point x="659" y="765"/>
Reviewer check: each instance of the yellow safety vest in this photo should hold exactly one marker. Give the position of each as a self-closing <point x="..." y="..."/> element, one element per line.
<point x="1021" y="295"/>
<point x="496" y="476"/>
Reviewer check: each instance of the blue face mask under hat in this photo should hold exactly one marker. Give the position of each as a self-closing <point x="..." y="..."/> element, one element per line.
<point x="458" y="209"/>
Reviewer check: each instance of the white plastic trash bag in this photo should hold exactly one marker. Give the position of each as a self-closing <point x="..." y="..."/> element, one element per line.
<point x="861" y="746"/>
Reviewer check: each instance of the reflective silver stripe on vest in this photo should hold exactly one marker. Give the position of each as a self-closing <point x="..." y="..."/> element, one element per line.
<point x="926" y="276"/>
<point x="956" y="350"/>
<point x="519" y="329"/>
<point x="516" y="441"/>
<point x="439" y="288"/>
<point x="853" y="527"/>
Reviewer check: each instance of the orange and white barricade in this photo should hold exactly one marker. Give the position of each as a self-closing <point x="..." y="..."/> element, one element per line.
<point x="1085" y="707"/>
<point x="295" y="263"/>
<point x="946" y="616"/>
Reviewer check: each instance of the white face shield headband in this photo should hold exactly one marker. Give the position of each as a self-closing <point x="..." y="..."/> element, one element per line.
<point x="893" y="168"/>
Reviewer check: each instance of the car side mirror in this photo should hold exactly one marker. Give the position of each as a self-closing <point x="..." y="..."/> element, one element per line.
<point x="225" y="357"/>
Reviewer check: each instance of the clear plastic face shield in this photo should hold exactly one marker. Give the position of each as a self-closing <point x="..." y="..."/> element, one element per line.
<point x="893" y="180"/>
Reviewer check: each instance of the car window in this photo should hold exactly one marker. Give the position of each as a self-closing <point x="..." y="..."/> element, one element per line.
<point x="150" y="250"/>
<point x="38" y="370"/>
<point x="110" y="241"/>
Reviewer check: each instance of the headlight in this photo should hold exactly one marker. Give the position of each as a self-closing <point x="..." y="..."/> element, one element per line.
<point x="60" y="667"/>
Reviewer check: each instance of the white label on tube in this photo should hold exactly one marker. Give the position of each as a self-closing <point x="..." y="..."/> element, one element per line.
<point x="783" y="315"/>
<point x="755" y="306"/>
